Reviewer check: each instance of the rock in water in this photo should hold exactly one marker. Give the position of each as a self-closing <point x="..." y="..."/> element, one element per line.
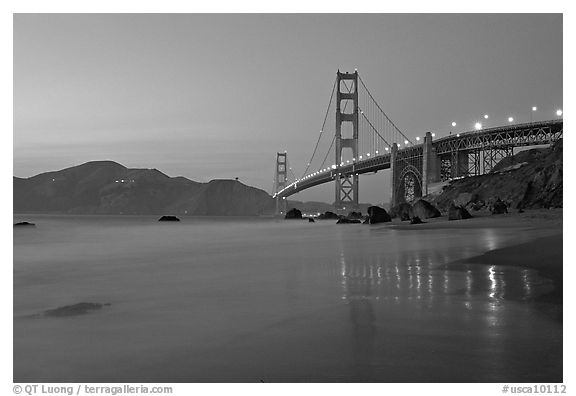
<point x="168" y="218"/>
<point x="458" y="213"/>
<point x="24" y="224"/>
<point x="328" y="216"/>
<point x="345" y="220"/>
<point x="401" y="211"/>
<point x="377" y="214"/>
<point x="424" y="210"/>
<point x="74" y="310"/>
<point x="293" y="214"/>
<point x="355" y="216"/>
<point x="416" y="220"/>
<point x="499" y="207"/>
<point x="311" y="220"/>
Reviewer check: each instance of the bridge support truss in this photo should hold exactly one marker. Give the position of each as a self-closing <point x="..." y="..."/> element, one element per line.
<point x="346" y="184"/>
<point x="281" y="180"/>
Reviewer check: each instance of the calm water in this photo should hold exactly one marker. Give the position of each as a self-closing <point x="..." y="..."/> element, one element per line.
<point x="251" y="300"/>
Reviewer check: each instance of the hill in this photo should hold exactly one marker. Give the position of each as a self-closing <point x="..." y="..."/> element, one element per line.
<point x="106" y="187"/>
<point x="529" y="179"/>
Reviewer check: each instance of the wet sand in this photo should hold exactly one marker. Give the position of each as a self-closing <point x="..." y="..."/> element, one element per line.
<point x="543" y="254"/>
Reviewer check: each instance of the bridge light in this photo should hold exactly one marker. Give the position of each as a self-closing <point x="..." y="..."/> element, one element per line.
<point x="478" y="126"/>
<point x="485" y="116"/>
<point x="376" y="151"/>
<point x="453" y="123"/>
<point x="360" y="157"/>
<point x="347" y="161"/>
<point x="333" y="166"/>
<point x="559" y="113"/>
<point x="367" y="154"/>
<point x="418" y="137"/>
<point x="353" y="159"/>
<point x="510" y="119"/>
<point x="433" y="135"/>
<point x="534" y="108"/>
<point x="361" y="112"/>
<point x="406" y="142"/>
<point x="386" y="148"/>
<point x="457" y="135"/>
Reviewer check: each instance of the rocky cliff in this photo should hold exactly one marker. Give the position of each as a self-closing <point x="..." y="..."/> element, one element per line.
<point x="529" y="179"/>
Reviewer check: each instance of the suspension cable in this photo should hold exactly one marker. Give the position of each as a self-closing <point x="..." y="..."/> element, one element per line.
<point x="373" y="128"/>
<point x="349" y="89"/>
<point x="382" y="111"/>
<point x="321" y="130"/>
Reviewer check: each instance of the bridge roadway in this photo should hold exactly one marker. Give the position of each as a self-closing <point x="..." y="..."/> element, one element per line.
<point x="529" y="134"/>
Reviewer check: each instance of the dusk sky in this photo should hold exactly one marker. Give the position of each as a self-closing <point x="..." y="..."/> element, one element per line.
<point x="216" y="96"/>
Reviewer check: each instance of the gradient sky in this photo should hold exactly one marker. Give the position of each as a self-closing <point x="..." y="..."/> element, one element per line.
<point x="216" y="96"/>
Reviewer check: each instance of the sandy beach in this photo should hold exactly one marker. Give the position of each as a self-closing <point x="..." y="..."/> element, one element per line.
<point x="542" y="253"/>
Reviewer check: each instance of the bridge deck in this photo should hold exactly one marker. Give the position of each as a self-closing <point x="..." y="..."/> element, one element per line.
<point x="530" y="134"/>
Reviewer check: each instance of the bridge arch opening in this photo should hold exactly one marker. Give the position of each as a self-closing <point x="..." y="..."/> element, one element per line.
<point x="410" y="185"/>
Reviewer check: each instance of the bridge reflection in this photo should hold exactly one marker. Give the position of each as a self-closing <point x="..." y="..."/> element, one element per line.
<point x="423" y="288"/>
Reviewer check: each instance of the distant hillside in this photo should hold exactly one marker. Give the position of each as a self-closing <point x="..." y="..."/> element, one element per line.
<point x="106" y="187"/>
<point x="529" y="179"/>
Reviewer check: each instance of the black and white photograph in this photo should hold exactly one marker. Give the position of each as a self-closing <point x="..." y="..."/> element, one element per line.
<point x="314" y="197"/>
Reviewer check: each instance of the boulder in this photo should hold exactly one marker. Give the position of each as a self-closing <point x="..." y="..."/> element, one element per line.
<point x="74" y="310"/>
<point x="168" y="218"/>
<point x="478" y="205"/>
<point x="424" y="210"/>
<point x="293" y="214"/>
<point x="328" y="216"/>
<point x="499" y="207"/>
<point x="311" y="220"/>
<point x="377" y="214"/>
<point x="355" y="216"/>
<point x="416" y="220"/>
<point x="402" y="211"/>
<point x="345" y="220"/>
<point x="24" y="224"/>
<point x="458" y="213"/>
<point x="465" y="198"/>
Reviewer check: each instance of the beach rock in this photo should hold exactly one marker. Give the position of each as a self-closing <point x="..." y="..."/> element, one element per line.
<point x="416" y="220"/>
<point x="424" y="210"/>
<point x="499" y="207"/>
<point x="478" y="205"/>
<point x="345" y="220"/>
<point x="355" y="216"/>
<point x="74" y="310"/>
<point x="377" y="214"/>
<point x="24" y="224"/>
<point x="168" y="218"/>
<point x="311" y="220"/>
<point x="294" y="214"/>
<point x="402" y="211"/>
<point x="465" y="198"/>
<point x="458" y="213"/>
<point x="328" y="216"/>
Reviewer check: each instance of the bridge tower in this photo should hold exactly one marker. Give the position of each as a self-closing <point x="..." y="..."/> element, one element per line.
<point x="281" y="180"/>
<point x="346" y="185"/>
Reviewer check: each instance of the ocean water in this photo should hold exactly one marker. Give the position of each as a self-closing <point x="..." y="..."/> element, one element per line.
<point x="250" y="300"/>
